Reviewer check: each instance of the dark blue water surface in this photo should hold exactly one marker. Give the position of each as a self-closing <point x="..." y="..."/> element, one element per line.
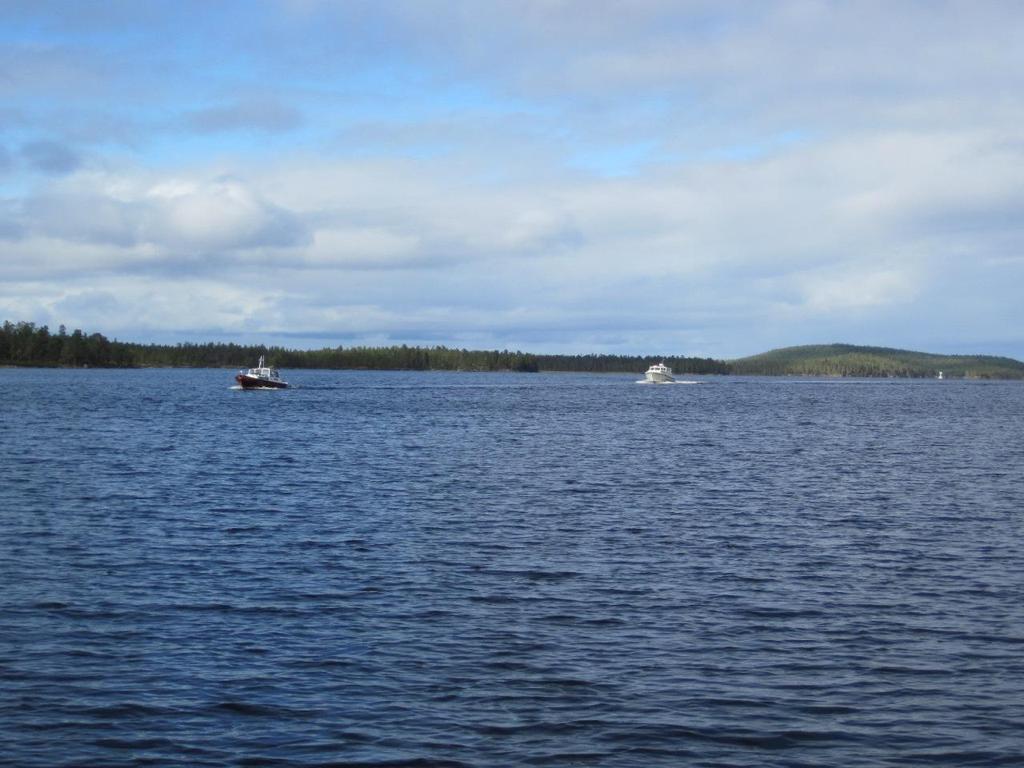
<point x="418" y="569"/>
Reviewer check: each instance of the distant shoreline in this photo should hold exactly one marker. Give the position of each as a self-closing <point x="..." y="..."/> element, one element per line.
<point x="25" y="345"/>
<point x="808" y="376"/>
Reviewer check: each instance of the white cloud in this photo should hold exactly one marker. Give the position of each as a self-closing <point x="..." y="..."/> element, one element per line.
<point x="847" y="163"/>
<point x="172" y="216"/>
<point x="355" y="247"/>
<point x="858" y="289"/>
<point x="828" y="230"/>
<point x="217" y="214"/>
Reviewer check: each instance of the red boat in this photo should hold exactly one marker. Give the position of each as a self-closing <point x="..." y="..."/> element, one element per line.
<point x="261" y="377"/>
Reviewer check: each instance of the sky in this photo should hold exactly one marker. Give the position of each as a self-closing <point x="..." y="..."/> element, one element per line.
<point x="580" y="176"/>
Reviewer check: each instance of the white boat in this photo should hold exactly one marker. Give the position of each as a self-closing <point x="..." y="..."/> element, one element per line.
<point x="261" y="377"/>
<point x="659" y="374"/>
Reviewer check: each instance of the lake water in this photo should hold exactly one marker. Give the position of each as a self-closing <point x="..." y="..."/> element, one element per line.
<point x="430" y="569"/>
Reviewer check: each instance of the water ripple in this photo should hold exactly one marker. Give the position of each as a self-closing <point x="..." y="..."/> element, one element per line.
<point x="380" y="569"/>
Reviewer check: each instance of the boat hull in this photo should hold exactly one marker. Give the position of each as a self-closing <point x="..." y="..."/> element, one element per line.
<point x="659" y="378"/>
<point x="252" y="382"/>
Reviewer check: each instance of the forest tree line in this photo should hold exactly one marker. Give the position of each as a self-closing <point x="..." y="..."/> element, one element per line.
<point x="30" y="345"/>
<point x="26" y="344"/>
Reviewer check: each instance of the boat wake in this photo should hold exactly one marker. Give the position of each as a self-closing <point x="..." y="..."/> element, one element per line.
<point x="667" y="383"/>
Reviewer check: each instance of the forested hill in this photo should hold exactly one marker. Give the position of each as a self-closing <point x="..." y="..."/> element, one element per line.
<point x="850" y="360"/>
